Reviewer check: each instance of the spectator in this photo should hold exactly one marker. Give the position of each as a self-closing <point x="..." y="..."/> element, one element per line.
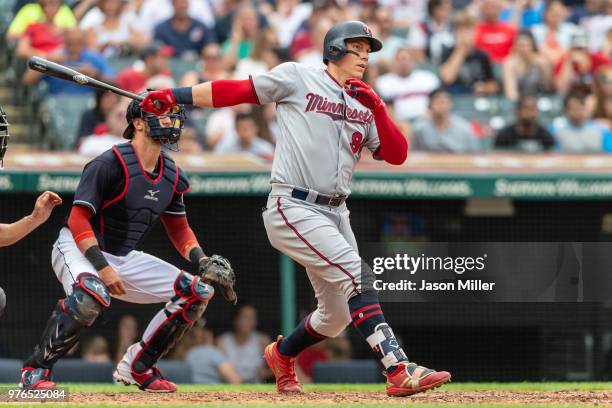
<point x="93" y="120"/>
<point x="606" y="48"/>
<point x="303" y="40"/>
<point x="525" y="72"/>
<point x="154" y="12"/>
<point x="406" y="87"/>
<point x="330" y="349"/>
<point x="526" y="134"/>
<point x="578" y="66"/>
<point x="96" y="144"/>
<point x="385" y="23"/>
<point x="208" y="364"/>
<point x="441" y="130"/>
<point x="494" y="37"/>
<point x="189" y="143"/>
<point x="313" y="56"/>
<point x="554" y="35"/>
<point x="112" y="30"/>
<point x="262" y="58"/>
<point x="246" y="140"/>
<point x="43" y="39"/>
<point x="44" y="11"/>
<point x="600" y="103"/>
<point x="186" y="35"/>
<point x="244" y="345"/>
<point x="598" y="26"/>
<point x="221" y="124"/>
<point x="244" y="31"/>
<point x="210" y="67"/>
<point x="433" y="37"/>
<point x="466" y="69"/>
<point x="584" y="10"/>
<point x="155" y="62"/>
<point x="127" y="334"/>
<point x="524" y="13"/>
<point x="224" y="24"/>
<point x="575" y="133"/>
<point x="288" y="18"/>
<point x="95" y="350"/>
<point x="74" y="55"/>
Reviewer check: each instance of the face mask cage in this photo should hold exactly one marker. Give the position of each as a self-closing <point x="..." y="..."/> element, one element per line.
<point x="167" y="128"/>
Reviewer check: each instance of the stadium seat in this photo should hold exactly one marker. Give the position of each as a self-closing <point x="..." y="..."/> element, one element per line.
<point x="10" y="370"/>
<point x="120" y="63"/>
<point x="62" y="129"/>
<point x="179" y="67"/>
<point x="78" y="370"/>
<point x="352" y="371"/>
<point x="176" y="371"/>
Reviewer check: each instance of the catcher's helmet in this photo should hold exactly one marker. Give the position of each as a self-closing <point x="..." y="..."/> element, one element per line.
<point x="166" y="135"/>
<point x="334" y="45"/>
<point x="4" y="135"/>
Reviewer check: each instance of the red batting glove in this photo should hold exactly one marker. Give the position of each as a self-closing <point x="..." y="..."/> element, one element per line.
<point x="364" y="94"/>
<point x="158" y="102"/>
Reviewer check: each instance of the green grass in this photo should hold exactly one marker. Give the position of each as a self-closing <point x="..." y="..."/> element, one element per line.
<point x="376" y="389"/>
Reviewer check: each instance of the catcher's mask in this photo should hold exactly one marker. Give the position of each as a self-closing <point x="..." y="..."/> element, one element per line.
<point x="4" y="136"/>
<point x="165" y="128"/>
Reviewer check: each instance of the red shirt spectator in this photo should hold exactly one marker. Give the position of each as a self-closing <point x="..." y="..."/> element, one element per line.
<point x="44" y="37"/>
<point x="313" y="354"/>
<point x="495" y="39"/>
<point x="492" y="36"/>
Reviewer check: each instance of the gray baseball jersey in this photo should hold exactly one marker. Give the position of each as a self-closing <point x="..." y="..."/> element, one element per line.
<point x="322" y="128"/>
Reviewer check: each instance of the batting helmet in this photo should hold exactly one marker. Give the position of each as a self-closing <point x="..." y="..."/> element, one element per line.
<point x="334" y="45"/>
<point x="4" y="135"/>
<point x="167" y="135"/>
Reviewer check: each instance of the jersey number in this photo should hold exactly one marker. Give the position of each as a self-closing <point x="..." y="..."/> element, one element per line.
<point x="356" y="142"/>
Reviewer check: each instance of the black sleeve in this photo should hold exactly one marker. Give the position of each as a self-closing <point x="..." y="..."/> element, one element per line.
<point x="505" y="137"/>
<point x="99" y="182"/>
<point x="547" y="140"/>
<point x="177" y="206"/>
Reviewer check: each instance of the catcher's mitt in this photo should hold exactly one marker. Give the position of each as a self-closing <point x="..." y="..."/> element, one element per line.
<point x="217" y="271"/>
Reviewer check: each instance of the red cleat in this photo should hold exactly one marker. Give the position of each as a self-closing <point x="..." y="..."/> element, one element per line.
<point x="410" y="378"/>
<point x="283" y="368"/>
<point x="150" y="381"/>
<point x="36" y="379"/>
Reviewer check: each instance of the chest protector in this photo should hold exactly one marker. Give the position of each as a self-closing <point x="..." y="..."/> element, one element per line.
<point x="125" y="220"/>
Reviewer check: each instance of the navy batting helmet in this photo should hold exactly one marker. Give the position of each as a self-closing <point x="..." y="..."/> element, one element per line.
<point x="4" y="135"/>
<point x="166" y="135"/>
<point x="334" y="45"/>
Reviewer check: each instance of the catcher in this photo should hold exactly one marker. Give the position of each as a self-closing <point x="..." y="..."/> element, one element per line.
<point x="121" y="195"/>
<point x="45" y="203"/>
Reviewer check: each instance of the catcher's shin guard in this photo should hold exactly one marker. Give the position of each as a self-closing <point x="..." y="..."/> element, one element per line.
<point x="186" y="307"/>
<point x="70" y="316"/>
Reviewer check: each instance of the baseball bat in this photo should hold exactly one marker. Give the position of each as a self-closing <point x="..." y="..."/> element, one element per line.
<point x="68" y="74"/>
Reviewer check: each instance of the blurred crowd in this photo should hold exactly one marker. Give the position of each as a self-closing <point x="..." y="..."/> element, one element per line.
<point x="444" y="63"/>
<point x="234" y="357"/>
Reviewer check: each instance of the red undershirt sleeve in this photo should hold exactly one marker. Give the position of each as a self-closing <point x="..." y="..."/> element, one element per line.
<point x="227" y="92"/>
<point x="180" y="233"/>
<point x="393" y="145"/>
<point x="78" y="223"/>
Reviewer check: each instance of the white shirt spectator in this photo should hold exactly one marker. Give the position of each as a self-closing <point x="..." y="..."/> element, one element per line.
<point x="95" y="145"/>
<point x="597" y="28"/>
<point x="315" y="59"/>
<point x="258" y="146"/>
<point x="564" y="34"/>
<point x="127" y="23"/>
<point x="246" y="357"/>
<point x="287" y="26"/>
<point x="409" y="94"/>
<point x="154" y="12"/>
<point x="220" y="125"/>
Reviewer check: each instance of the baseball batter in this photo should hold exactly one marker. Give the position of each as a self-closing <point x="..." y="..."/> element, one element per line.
<point x="45" y="203"/>
<point x="326" y="117"/>
<point x="121" y="195"/>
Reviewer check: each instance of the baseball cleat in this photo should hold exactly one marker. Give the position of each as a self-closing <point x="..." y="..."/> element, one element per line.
<point x="36" y="379"/>
<point x="150" y="381"/>
<point x="411" y="378"/>
<point x="283" y="368"/>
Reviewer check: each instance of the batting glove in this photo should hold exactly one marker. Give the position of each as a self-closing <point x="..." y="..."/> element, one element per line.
<point x="158" y="102"/>
<point x="364" y="94"/>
